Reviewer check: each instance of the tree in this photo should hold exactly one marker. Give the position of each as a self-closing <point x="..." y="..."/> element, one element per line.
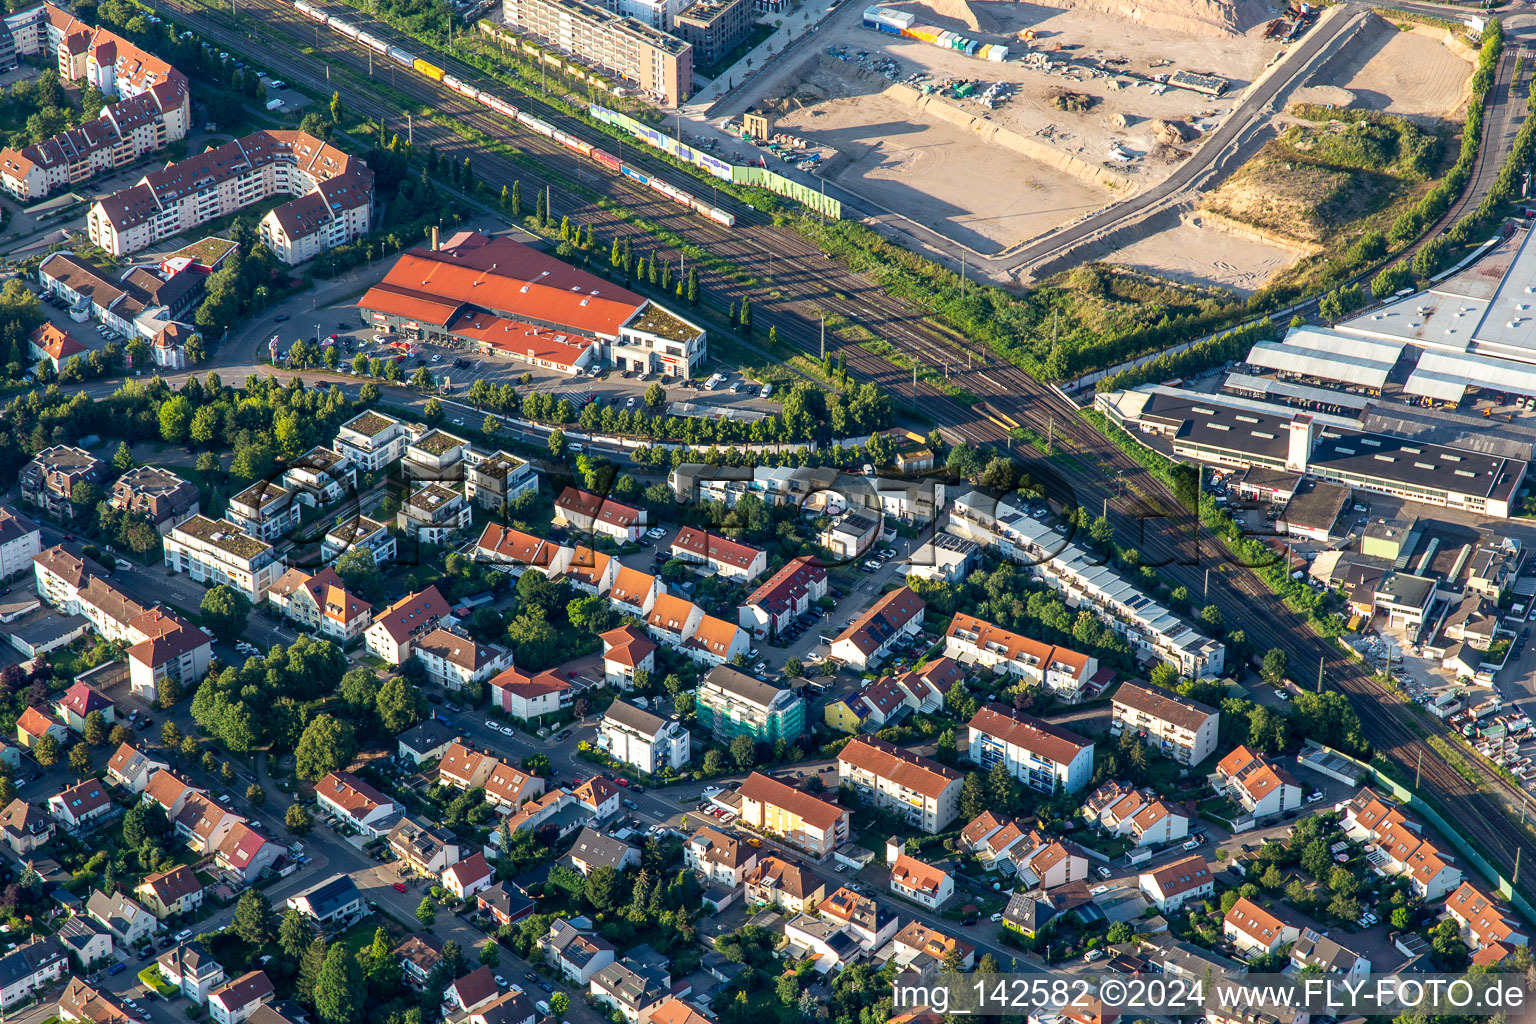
<point x="559" y="1003"/>
<point x="400" y="705"/>
<point x="167" y="692"/>
<point x="95" y="728"/>
<point x="655" y="395"/>
<point x="226" y="612"/>
<point x="293" y="935"/>
<point x="327" y="744"/>
<point x="256" y="795"/>
<point x="46" y="751"/>
<point x="793" y="668"/>
<point x="253" y="918"/>
<point x="557" y="442"/>
<point x="426" y="913"/>
<point x="340" y="989"/>
<point x="1273" y="669"/>
<point x="123" y="460"/>
<point x="744" y="751"/>
<point x="336" y="108"/>
<point x="175" y="417"/>
<point x="973" y="797"/>
<point x="602" y="888"/>
<point x="297" y="819"/>
<point x="490" y="953"/>
<point x="310" y="967"/>
<point x="80" y="759"/>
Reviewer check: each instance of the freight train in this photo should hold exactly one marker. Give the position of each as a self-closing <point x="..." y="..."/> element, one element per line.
<point x="512" y="113"/>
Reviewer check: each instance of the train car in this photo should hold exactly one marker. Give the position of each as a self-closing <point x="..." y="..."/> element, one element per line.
<point x="718" y="215"/>
<point x="432" y="71"/>
<point x="608" y="160"/>
<point x="630" y="172"/>
<point x="499" y="105"/>
<point x="671" y="191"/>
<point x="459" y="87"/>
<point x="572" y="142"/>
<point x="346" y="28"/>
<point x="372" y="42"/>
<point x="310" y="11"/>
<point x="544" y="128"/>
<point x="400" y="56"/>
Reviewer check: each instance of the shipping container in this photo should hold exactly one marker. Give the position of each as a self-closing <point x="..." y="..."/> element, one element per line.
<point x="499" y="105"/>
<point x="400" y="56"/>
<point x="432" y="71"/>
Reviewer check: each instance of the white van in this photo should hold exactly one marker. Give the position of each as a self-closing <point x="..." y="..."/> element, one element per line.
<point x="543" y="1007"/>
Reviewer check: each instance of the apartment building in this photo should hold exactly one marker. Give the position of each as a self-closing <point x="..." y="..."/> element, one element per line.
<point x="321" y="602"/>
<point x="228" y="178"/>
<point x="785" y="885"/>
<point x="1037" y="753"/>
<point x="264" y="511"/>
<point x="714" y="27"/>
<point x="358" y="534"/>
<point x="152" y="105"/>
<point x="48" y="481"/>
<point x="433" y="514"/>
<point x="435" y="455"/>
<point x="808" y="823"/>
<point x="730" y="703"/>
<point x="139" y="303"/>
<point x="923" y="791"/>
<point x="1085" y="582"/>
<point x="320" y="477"/>
<point x="1261" y="788"/>
<point x="214" y="551"/>
<point x="398" y="627"/>
<point x="158" y="495"/>
<point x="355" y="802"/>
<point x="728" y="558"/>
<point x="454" y="661"/>
<point x="660" y="64"/>
<point x="371" y="440"/>
<point x="1175" y="726"/>
<point x="626" y="651"/>
<point x="491" y="481"/>
<point x="21" y="540"/>
<point x="719" y="859"/>
<point x="649" y="742"/>
<point x="783" y="597"/>
<point x="1064" y="672"/>
<point x="870" y="638"/>
<point x="528" y="696"/>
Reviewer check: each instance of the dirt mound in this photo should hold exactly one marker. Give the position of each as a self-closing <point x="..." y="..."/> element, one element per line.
<point x="1171" y="133"/>
<point x="1295" y="199"/>
<point x="1194" y="17"/>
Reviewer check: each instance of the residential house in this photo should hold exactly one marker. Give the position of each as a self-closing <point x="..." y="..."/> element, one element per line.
<point x="649" y="742"/>
<point x="782" y="598"/>
<point x="424" y="849"/>
<point x="530" y="697"/>
<point x="922" y="791"/>
<point x="1170" y="886"/>
<point x="576" y="951"/>
<point x="919" y="881"/>
<point x="246" y="853"/>
<point x="783" y="884"/>
<point x="335" y="901"/>
<point x="634" y="592"/>
<point x="472" y="991"/>
<point x="454" y="661"/>
<point x="400" y="625"/>
<point x="1483" y="921"/>
<point x="850" y="535"/>
<point x="1253" y="929"/>
<point x="626" y="651"/>
<point x="828" y="946"/>
<point x="719" y="859"/>
<point x="1121" y="809"/>
<point x="921" y="947"/>
<point x="730" y="703"/>
<point x="418" y="955"/>
<point x="871" y="923"/>
<point x="189" y="968"/>
<point x="493" y="481"/>
<point x="505" y="902"/>
<point x="871" y="637"/>
<point x="130" y="768"/>
<point x="235" y="1001"/>
<point x="465" y="768"/>
<point x="716" y="641"/>
<point x="204" y="823"/>
<point x="371" y="440"/>
<point x="81" y="1004"/>
<point x="468" y="876"/>
<point x="1046" y="862"/>
<point x="129" y="923"/>
<point x="1063" y="672"/>
<point x="1401" y="848"/>
<point x="512" y="551"/>
<point x="424" y="741"/>
<point x="321" y="603"/>
<point x="730" y="559"/>
<point x="1037" y="753"/>
<point x="88" y="943"/>
<point x="355" y="802"/>
<point x="81" y="700"/>
<point x="592" y="572"/>
<point x="169" y="792"/>
<point x="320" y="477"/>
<point x="506" y="1008"/>
<point x="81" y="804"/>
<point x="434" y="513"/>
<point x="1176" y="726"/>
<point x="588" y="512"/>
<point x="173" y="892"/>
<point x="807" y="822"/>
<point x="33" y="725"/>
<point x="1319" y="953"/>
<point x="1260" y="787"/>
<point x="630" y="989"/>
<point x="30" y="968"/>
<point x="55" y="345"/>
<point x="593" y="850"/>
<point x="990" y="837"/>
<point x="508" y="788"/>
<point x="25" y="827"/>
<point x="48" y="481"/>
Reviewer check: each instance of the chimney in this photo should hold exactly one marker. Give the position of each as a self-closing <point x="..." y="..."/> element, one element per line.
<point x="1300" y="448"/>
<point x="434" y="238"/>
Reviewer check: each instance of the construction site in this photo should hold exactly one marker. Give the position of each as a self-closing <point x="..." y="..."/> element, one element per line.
<point x="994" y="123"/>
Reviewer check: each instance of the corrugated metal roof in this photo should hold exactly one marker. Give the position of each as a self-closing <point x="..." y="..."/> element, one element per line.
<point x="1349" y="369"/>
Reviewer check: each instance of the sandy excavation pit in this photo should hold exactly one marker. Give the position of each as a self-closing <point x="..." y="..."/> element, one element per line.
<point x="1415" y="73"/>
<point x="1196" y="252"/>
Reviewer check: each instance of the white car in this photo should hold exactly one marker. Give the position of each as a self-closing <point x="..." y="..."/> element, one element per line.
<point x="492" y="725"/>
<point x="507" y="730"/>
<point x="1283" y="695"/>
<point x="1192" y="844"/>
<point x="1103" y="871"/>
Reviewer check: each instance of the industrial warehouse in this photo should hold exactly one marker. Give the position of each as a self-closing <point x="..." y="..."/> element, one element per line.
<point x="501" y="297"/>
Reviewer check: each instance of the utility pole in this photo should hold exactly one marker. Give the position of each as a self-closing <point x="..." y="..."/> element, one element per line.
<point x="914" y="380"/>
<point x="410" y="132"/>
<point x="1418" y="774"/>
<point x="1319" y="670"/>
<point x="962" y="272"/>
<point x="823" y="336"/>
<point x="370" y="63"/>
<point x="1206" y="594"/>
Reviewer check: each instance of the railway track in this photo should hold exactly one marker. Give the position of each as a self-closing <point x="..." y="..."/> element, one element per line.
<point x="1109" y="479"/>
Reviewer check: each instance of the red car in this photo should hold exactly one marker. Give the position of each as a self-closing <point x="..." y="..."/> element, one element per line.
<point x="621" y="781"/>
<point x="399" y="887"/>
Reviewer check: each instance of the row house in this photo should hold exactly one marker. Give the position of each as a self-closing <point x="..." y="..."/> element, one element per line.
<point x="30" y="968"/>
<point x="1483" y="921"/>
<point x="1063" y="672"/>
<point x="730" y="559"/>
<point x="1401" y="848"/>
<point x="633" y="593"/>
<point x="1261" y="788"/>
<point x="1254" y="929"/>
<point x="591" y="513"/>
<point x="513" y="551"/>
<point x="1044" y="862"/>
<point x="778" y="601"/>
<point x="1123" y="810"/>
